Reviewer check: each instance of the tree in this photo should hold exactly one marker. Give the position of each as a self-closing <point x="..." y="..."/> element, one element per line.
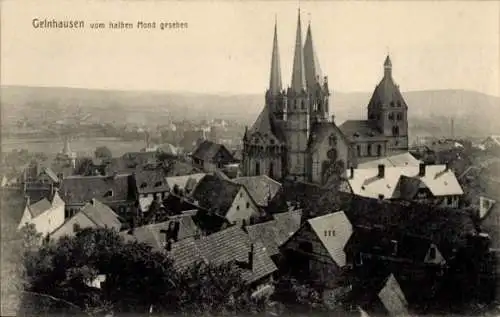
<point x="103" y="152"/>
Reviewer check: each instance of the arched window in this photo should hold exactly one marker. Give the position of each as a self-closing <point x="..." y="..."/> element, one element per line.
<point x="332" y="141"/>
<point x="379" y="150"/>
<point x="358" y="148"/>
<point x="391" y="116"/>
<point x="369" y="150"/>
<point x="257" y="168"/>
<point x="271" y="170"/>
<point x="399" y="116"/>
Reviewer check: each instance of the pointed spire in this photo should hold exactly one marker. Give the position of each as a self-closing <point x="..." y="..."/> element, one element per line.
<point x="298" y="76"/>
<point x="387" y="67"/>
<point x="311" y="64"/>
<point x="275" y="85"/>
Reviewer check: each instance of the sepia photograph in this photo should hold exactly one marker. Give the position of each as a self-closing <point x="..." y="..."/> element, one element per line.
<point x="250" y="158"/>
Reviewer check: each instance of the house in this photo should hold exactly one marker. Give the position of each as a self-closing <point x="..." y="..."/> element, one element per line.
<point x="316" y="251"/>
<point x="275" y="232"/>
<point x="231" y="245"/>
<point x="93" y="214"/>
<point x="429" y="184"/>
<point x="370" y="245"/>
<point x="117" y="191"/>
<point x="225" y="199"/>
<point x="158" y="235"/>
<point x="489" y="217"/>
<point x="210" y="156"/>
<point x="150" y="185"/>
<point x="45" y="215"/>
<point x="262" y="188"/>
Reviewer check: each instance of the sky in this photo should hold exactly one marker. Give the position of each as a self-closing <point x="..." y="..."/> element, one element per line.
<point x="227" y="45"/>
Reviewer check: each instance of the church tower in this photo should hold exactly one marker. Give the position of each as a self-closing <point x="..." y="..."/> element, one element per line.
<point x="387" y="111"/>
<point x="297" y="115"/>
<point x="317" y="85"/>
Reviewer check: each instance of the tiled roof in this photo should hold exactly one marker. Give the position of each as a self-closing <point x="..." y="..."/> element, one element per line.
<point x="387" y="92"/>
<point x="361" y="130"/>
<point x="265" y="124"/>
<point x="267" y="233"/>
<point x="185" y="181"/>
<point x="81" y="189"/>
<point x="401" y="159"/>
<point x="225" y="246"/>
<point x="152" y="235"/>
<point x="339" y="225"/>
<point x="262" y="188"/>
<point x="168" y="149"/>
<point x="53" y="176"/>
<point x="215" y="194"/>
<point x="180" y="168"/>
<point x="287" y="224"/>
<point x="440" y="181"/>
<point x="39" y="207"/>
<point x="101" y="215"/>
<point x="150" y="181"/>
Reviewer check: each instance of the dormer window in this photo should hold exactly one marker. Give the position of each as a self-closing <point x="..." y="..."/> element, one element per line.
<point x="109" y="193"/>
<point x="143" y="185"/>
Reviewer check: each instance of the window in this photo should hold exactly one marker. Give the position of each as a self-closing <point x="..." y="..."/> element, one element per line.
<point x="76" y="227"/>
<point x="379" y="150"/>
<point x="395" y="130"/>
<point x="257" y="168"/>
<point x="238" y="207"/>
<point x="248" y="205"/>
<point x="303" y="104"/>
<point x="392" y="103"/>
<point x="394" y="244"/>
<point x="332" y="141"/>
<point x="271" y="169"/>
<point x="399" y="116"/>
<point x="241" y="194"/>
<point x="399" y="103"/>
<point x="358" y="148"/>
<point x="109" y="193"/>
<point x="359" y="259"/>
<point x="158" y="184"/>
<point x="369" y="150"/>
<point x="391" y="116"/>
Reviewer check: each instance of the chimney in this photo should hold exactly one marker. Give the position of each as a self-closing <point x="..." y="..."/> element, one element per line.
<point x="421" y="169"/>
<point x="381" y="170"/>
<point x="250" y="257"/>
<point x="352" y="172"/>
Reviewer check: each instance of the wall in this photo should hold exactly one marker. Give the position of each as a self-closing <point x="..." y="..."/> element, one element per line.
<point x="67" y="229"/>
<point x="49" y="220"/>
<point x="319" y="155"/>
<point x="239" y="209"/>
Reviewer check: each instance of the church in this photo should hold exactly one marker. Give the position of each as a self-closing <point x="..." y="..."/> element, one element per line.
<point x="295" y="136"/>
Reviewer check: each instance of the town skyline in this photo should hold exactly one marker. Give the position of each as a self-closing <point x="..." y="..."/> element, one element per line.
<point x="433" y="46"/>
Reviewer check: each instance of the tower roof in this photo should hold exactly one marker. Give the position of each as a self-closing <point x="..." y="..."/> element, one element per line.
<point x="388" y="62"/>
<point x="387" y="93"/>
<point x="298" y="74"/>
<point x="266" y="124"/>
<point x="275" y="85"/>
<point x="313" y="72"/>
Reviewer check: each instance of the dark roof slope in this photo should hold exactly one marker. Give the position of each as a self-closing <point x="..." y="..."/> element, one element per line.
<point x="153" y="236"/>
<point x="216" y="194"/>
<point x="39" y="207"/>
<point x="320" y="130"/>
<point x="81" y="189"/>
<point x="208" y="150"/>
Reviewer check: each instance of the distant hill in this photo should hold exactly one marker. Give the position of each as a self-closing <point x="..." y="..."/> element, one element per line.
<point x="430" y="112"/>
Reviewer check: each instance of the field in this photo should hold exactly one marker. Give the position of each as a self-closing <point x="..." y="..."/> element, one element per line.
<point x="82" y="146"/>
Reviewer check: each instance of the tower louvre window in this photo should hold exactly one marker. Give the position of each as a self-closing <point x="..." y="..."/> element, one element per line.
<point x="399" y="103"/>
<point x="392" y="103"/>
<point x="399" y="116"/>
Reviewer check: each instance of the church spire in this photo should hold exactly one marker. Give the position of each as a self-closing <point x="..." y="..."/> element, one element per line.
<point x="275" y="85"/>
<point x="388" y="67"/>
<point x="313" y="73"/>
<point x="298" y="76"/>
